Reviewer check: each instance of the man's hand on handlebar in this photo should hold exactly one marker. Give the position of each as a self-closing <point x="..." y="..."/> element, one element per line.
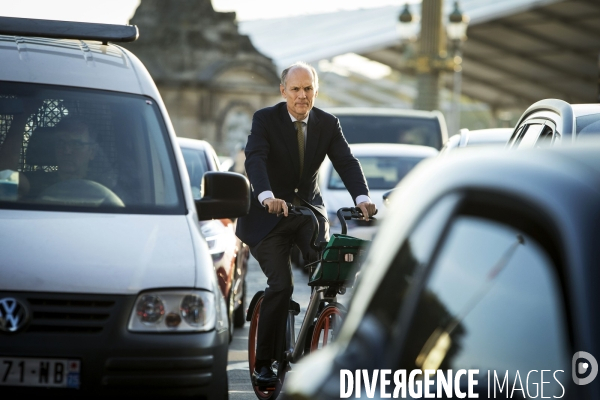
<point x="276" y="206"/>
<point x="368" y="209"/>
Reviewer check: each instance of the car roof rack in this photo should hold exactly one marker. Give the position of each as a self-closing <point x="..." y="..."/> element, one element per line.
<point x="68" y="30"/>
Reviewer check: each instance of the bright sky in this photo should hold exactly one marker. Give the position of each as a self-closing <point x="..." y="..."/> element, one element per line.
<point x="120" y="11"/>
<point x="261" y="9"/>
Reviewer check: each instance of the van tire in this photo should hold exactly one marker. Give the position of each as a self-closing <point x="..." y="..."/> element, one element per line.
<point x="221" y="391"/>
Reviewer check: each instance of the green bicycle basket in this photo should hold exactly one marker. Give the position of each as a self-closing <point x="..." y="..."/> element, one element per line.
<point x="341" y="257"/>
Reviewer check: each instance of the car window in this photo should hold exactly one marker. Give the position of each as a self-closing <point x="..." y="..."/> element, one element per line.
<point x="382" y="173"/>
<point x="538" y="131"/>
<point x="530" y="135"/>
<point x="492" y="302"/>
<point x="516" y="136"/>
<point x="391" y="129"/>
<point x="410" y="262"/>
<point x="81" y="149"/>
<point x="546" y="137"/>
<point x="196" y="164"/>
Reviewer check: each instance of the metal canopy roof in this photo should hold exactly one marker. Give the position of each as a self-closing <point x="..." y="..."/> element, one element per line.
<point x="517" y="52"/>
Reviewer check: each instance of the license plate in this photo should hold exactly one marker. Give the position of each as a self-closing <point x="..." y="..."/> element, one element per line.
<point x="40" y="372"/>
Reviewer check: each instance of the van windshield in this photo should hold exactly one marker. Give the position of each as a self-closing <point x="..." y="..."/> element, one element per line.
<point x="73" y="149"/>
<point x="391" y="129"/>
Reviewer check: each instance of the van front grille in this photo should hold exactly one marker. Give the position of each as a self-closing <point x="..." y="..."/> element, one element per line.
<point x="46" y="328"/>
<point x="70" y="302"/>
<point x="70" y="313"/>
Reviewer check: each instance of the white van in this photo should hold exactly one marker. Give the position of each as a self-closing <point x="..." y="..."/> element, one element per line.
<point x="107" y="286"/>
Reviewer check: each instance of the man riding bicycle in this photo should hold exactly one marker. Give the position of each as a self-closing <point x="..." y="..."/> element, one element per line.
<point x="285" y="148"/>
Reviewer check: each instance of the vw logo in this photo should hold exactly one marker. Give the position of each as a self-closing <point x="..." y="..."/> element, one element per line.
<point x="13" y="315"/>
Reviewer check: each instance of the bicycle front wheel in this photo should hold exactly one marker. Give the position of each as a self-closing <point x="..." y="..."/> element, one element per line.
<point x="263" y="393"/>
<point x="327" y="325"/>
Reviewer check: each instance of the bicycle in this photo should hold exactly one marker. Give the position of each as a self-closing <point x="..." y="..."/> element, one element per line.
<point x="329" y="276"/>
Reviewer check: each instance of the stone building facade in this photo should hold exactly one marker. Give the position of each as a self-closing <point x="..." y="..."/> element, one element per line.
<point x="210" y="77"/>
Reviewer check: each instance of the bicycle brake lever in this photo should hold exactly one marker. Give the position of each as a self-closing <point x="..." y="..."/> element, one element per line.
<point x="293" y="210"/>
<point x="360" y="214"/>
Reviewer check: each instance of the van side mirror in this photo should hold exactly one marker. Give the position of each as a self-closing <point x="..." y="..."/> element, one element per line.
<point x="225" y="195"/>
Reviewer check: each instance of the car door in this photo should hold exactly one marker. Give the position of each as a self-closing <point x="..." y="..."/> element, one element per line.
<point x="491" y="301"/>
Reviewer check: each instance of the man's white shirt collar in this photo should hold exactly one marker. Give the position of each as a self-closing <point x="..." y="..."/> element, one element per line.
<point x="294" y="119"/>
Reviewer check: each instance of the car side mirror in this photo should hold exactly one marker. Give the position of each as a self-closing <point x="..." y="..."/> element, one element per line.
<point x="386" y="197"/>
<point x="225" y="195"/>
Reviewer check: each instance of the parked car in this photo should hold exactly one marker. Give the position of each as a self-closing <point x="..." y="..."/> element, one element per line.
<point x="384" y="165"/>
<point x="486" y="266"/>
<point x="107" y="286"/>
<point x="478" y="137"/>
<point x="228" y="252"/>
<point x="392" y="125"/>
<point x="550" y="122"/>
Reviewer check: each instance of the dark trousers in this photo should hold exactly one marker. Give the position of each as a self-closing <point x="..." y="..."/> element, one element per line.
<point x="273" y="256"/>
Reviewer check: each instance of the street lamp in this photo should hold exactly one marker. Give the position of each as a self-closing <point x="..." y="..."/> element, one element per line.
<point x="432" y="57"/>
<point x="457" y="34"/>
<point x="457" y="28"/>
<point x="406" y="25"/>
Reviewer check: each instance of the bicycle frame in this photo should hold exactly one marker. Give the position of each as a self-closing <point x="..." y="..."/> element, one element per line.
<point x="294" y="353"/>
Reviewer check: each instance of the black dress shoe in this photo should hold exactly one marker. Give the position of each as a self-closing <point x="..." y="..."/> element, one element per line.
<point x="264" y="377"/>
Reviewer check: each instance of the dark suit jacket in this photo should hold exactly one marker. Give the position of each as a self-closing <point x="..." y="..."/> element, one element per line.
<point x="272" y="163"/>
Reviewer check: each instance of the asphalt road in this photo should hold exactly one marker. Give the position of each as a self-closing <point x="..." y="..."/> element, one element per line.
<point x="240" y="387"/>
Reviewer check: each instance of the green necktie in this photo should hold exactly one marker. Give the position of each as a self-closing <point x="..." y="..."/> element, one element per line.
<point x="300" y="135"/>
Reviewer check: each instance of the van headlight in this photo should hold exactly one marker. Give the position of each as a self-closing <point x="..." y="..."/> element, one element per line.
<point x="215" y="234"/>
<point x="174" y="311"/>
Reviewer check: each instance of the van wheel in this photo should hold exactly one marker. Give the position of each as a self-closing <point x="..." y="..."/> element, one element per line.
<point x="222" y="390"/>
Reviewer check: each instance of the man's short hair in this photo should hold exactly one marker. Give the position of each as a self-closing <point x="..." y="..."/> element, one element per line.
<point x="75" y="124"/>
<point x="301" y="64"/>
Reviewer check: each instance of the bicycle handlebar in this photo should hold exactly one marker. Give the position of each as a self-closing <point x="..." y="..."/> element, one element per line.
<point x="343" y="214"/>
<point x="348" y="213"/>
<point x="305" y="211"/>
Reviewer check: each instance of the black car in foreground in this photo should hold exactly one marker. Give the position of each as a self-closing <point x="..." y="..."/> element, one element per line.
<point x="482" y="283"/>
